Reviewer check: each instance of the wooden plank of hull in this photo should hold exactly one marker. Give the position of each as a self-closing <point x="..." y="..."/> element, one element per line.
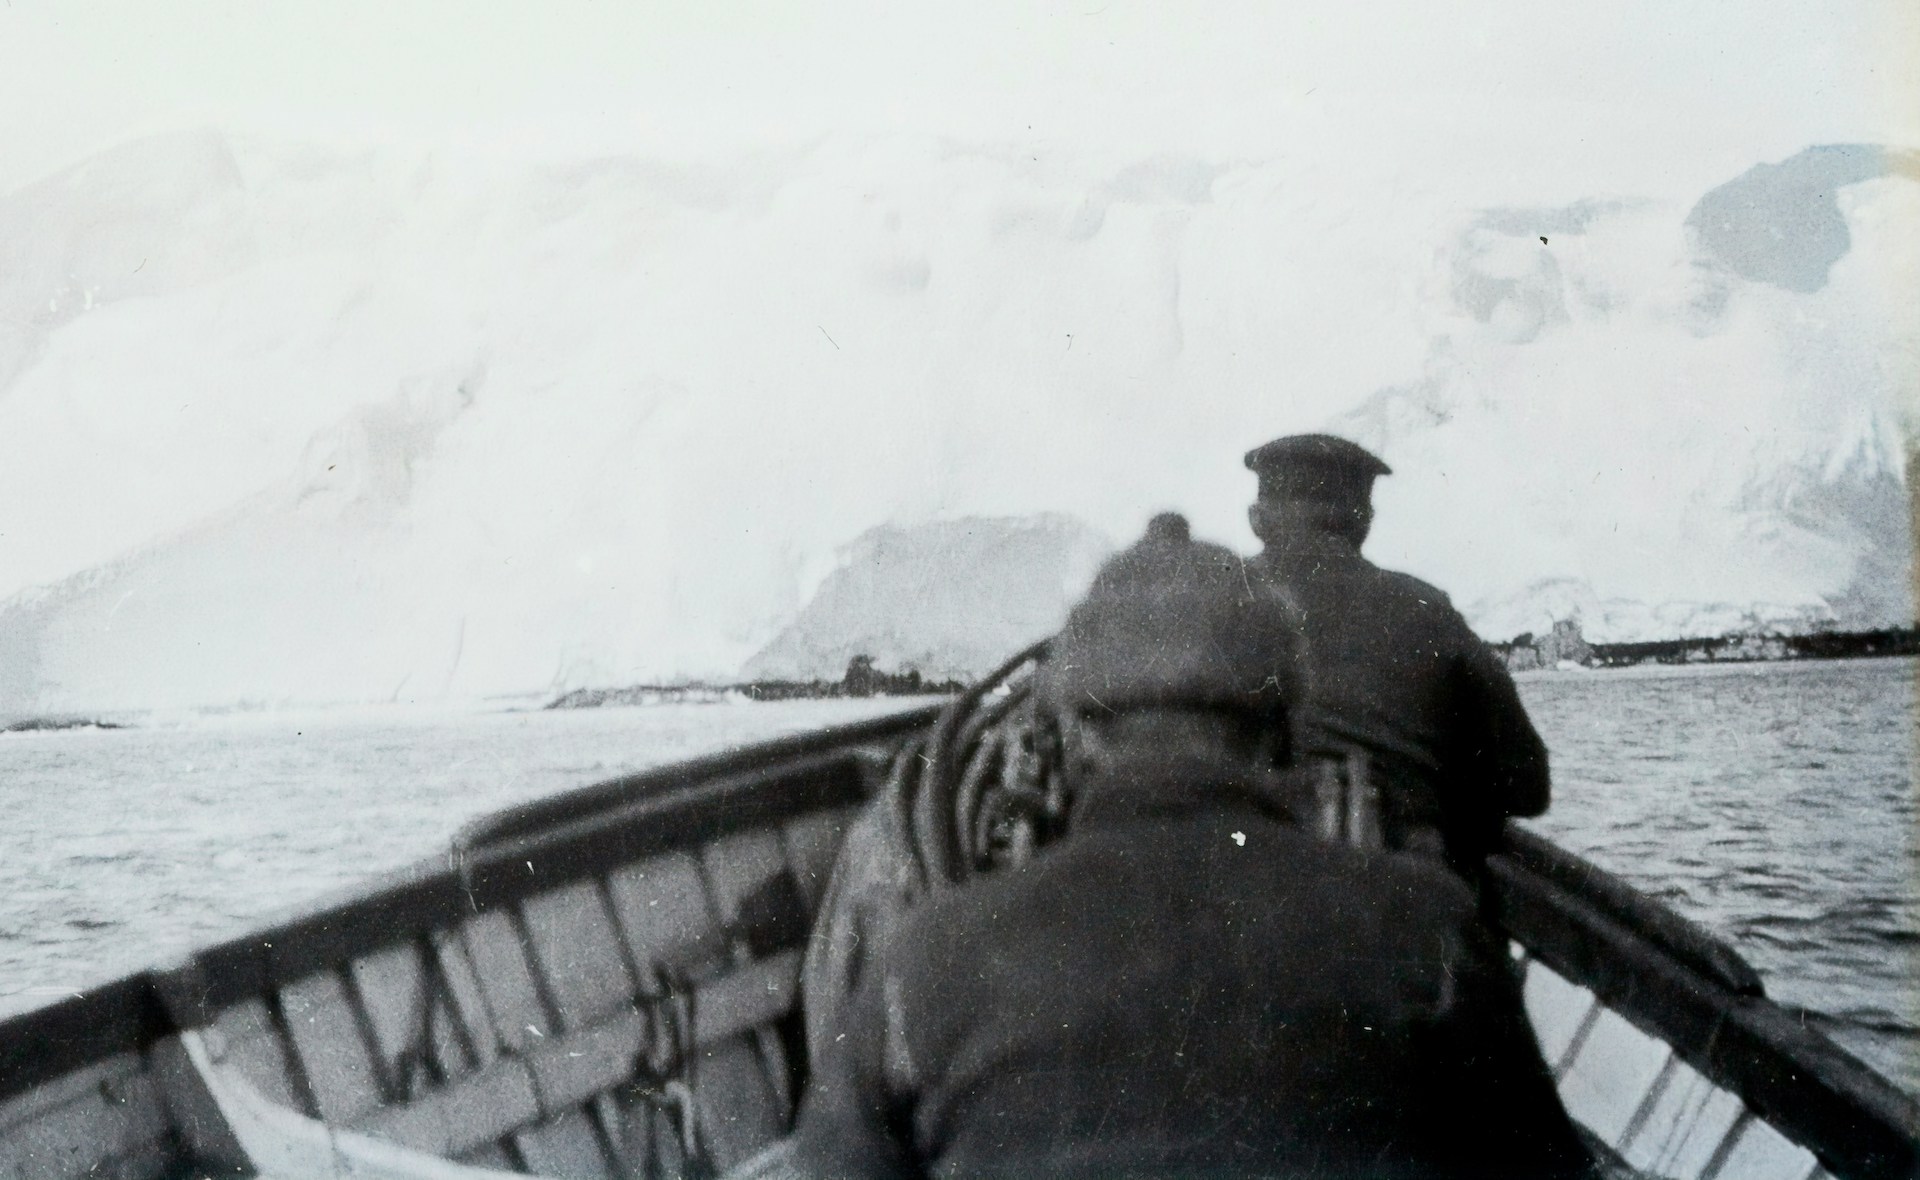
<point x="1688" y="1118"/>
<point x="1608" y="1080"/>
<point x="577" y="953"/>
<point x="383" y="994"/>
<point x="577" y="963"/>
<point x="467" y="1006"/>
<point x="738" y="1108"/>
<point x="589" y="1061"/>
<point x="662" y="908"/>
<point x="333" y="1054"/>
<point x="1761" y="1153"/>
<point x="752" y="888"/>
<point x="416" y="1029"/>
<point x="479" y="1111"/>
<point x="574" y="1069"/>
<point x="1557" y="1010"/>
<point x="1630" y="1092"/>
<point x="569" y="1146"/>
<point x="194" y="1117"/>
<point x="496" y="948"/>
<point x="520" y="1007"/>
<point x="246" y="1036"/>
<point x="80" y="1084"/>
<point x="758" y="901"/>
<point x="812" y="841"/>
<point x="1798" y="1083"/>
<point x="289" y="1146"/>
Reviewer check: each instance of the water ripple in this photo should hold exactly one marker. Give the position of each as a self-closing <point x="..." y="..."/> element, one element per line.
<point x="1774" y="805"/>
<point x="1784" y="820"/>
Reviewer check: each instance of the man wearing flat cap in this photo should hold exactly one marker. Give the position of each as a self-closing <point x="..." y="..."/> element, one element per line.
<point x="1403" y="688"/>
<point x="1188" y="983"/>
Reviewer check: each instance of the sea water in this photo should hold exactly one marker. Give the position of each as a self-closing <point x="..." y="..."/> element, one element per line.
<point x="121" y="847"/>
<point x="1773" y="803"/>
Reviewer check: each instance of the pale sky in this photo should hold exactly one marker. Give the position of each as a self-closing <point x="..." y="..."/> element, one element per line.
<point x="1560" y="93"/>
<point x="1339" y="147"/>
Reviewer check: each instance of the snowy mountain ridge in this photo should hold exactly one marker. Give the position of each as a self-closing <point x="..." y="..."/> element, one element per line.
<point x="283" y="423"/>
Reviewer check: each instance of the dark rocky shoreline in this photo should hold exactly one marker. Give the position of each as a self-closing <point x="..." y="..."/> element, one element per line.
<point x="49" y="724"/>
<point x="1565" y="645"/>
<point x="862" y="679"/>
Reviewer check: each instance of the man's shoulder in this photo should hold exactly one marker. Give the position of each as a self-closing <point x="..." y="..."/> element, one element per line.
<point x="1425" y="593"/>
<point x="1347" y="565"/>
<point x="1427" y="601"/>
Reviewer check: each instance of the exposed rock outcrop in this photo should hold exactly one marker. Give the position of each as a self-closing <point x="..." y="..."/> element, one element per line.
<point x="948" y="599"/>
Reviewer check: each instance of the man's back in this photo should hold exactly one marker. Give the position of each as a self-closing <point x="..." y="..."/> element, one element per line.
<point x="1398" y="673"/>
<point x="1188" y="986"/>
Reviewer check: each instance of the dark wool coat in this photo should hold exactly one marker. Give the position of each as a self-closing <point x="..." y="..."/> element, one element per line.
<point x="1397" y="672"/>
<point x="1187" y="986"/>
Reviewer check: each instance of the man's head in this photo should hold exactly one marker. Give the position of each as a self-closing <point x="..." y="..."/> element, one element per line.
<point x="1313" y="483"/>
<point x="1175" y="645"/>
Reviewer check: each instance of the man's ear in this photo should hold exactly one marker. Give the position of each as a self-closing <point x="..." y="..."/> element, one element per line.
<point x="1261" y="520"/>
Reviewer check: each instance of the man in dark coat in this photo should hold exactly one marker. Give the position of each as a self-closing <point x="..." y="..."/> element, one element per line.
<point x="1398" y="674"/>
<point x="1187" y="983"/>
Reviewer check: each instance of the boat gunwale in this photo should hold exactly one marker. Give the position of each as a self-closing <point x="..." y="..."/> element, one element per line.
<point x="672" y="810"/>
<point x="121" y="1016"/>
<point x="536" y="816"/>
<point x="131" y="1013"/>
<point x="1857" y="1123"/>
<point x="1695" y="946"/>
<point x="1566" y="912"/>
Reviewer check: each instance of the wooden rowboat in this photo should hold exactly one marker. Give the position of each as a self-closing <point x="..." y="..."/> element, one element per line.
<point x="604" y="984"/>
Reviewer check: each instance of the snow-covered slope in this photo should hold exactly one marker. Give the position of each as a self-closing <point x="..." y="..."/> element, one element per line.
<point x="1667" y="421"/>
<point x="283" y="423"/>
<point x="949" y="598"/>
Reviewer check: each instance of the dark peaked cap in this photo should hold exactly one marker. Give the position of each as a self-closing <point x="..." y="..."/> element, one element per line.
<point x="1319" y="467"/>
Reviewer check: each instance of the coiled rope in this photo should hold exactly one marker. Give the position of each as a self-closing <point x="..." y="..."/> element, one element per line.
<point x="970" y="797"/>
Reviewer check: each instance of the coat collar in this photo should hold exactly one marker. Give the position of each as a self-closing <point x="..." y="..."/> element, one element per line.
<point x="1311" y="547"/>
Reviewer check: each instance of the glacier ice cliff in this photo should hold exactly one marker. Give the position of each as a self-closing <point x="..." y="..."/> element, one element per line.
<point x="283" y="423"/>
